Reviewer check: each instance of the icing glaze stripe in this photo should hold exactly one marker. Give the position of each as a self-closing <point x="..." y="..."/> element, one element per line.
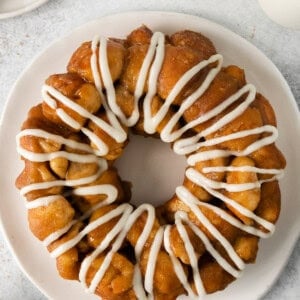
<point x="96" y="67"/>
<point x="191" y="254"/>
<point x="189" y="199"/>
<point x="70" y="183"/>
<point x="90" y="227"/>
<point x="176" y="264"/>
<point x="154" y="250"/>
<point x="43" y="201"/>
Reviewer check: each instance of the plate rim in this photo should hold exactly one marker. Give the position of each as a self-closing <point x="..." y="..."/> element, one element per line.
<point x="22" y="10"/>
<point x="286" y="87"/>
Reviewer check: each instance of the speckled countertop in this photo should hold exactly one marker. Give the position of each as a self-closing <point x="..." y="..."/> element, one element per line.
<point x="23" y="37"/>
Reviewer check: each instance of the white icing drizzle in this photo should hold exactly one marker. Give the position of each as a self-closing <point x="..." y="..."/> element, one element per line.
<point x="193" y="177"/>
<point x="154" y="250"/>
<point x="191" y="254"/>
<point x="104" y="244"/>
<point x="189" y="199"/>
<point x="57" y="234"/>
<point x="202" y="180"/>
<point x="208" y="245"/>
<point x="137" y="279"/>
<point x="90" y="227"/>
<point x="42" y="201"/>
<point x="242" y="169"/>
<point x="70" y="183"/>
<point x="177" y="265"/>
<point x="205" y="155"/>
<point x="115" y="130"/>
<point x="53" y="137"/>
<point x="235" y="222"/>
<point x="159" y="42"/>
<point x="191" y="146"/>
<point x="101" y="146"/>
<point x="167" y="135"/>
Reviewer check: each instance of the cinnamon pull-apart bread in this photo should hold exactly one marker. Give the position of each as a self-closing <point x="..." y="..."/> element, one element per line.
<point x="174" y="88"/>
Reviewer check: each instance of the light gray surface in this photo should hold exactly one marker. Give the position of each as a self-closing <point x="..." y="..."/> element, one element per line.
<point x="22" y="38"/>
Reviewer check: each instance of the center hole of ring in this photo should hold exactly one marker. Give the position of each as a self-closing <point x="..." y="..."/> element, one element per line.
<point x="153" y="169"/>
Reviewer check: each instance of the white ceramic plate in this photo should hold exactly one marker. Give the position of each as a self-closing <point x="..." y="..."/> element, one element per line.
<point x="11" y="8"/>
<point x="274" y="252"/>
